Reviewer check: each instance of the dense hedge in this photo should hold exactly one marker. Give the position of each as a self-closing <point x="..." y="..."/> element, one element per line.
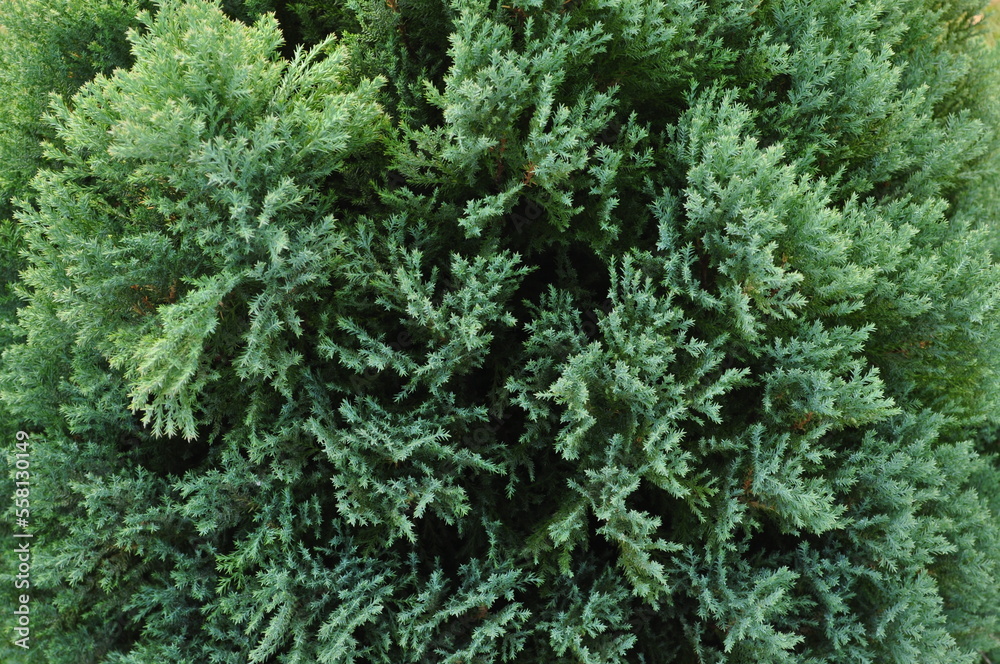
<point x="587" y="331"/>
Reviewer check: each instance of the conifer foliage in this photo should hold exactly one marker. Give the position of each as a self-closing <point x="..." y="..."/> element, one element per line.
<point x="453" y="331"/>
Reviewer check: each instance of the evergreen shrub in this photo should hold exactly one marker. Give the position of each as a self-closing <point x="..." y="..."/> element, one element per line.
<point x="584" y="331"/>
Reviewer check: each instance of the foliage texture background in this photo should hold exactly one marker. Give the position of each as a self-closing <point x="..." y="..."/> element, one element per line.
<point x="582" y="332"/>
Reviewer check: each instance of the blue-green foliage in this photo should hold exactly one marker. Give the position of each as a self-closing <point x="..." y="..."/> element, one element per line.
<point x="595" y="331"/>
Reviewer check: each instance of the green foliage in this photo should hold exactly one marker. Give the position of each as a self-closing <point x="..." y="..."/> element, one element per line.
<point x="50" y="48"/>
<point x="596" y="331"/>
